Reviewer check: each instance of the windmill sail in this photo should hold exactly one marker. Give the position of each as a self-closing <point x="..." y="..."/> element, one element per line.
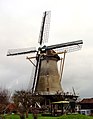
<point x="12" y="52"/>
<point x="44" y="32"/>
<point x="43" y="37"/>
<point x="38" y="63"/>
<point x="64" y="45"/>
<point x="68" y="47"/>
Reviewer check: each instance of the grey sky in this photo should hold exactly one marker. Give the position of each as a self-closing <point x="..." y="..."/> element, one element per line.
<point x="71" y="20"/>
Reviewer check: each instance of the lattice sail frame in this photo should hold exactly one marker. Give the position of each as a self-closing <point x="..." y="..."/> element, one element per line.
<point x="46" y="28"/>
<point x="20" y="51"/>
<point x="69" y="49"/>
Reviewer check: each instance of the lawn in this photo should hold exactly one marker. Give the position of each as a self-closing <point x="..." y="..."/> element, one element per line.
<point x="78" y="116"/>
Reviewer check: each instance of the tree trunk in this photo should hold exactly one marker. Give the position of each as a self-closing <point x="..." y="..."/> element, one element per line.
<point x="26" y="114"/>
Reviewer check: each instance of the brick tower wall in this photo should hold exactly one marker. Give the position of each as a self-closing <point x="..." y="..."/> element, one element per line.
<point x="49" y="79"/>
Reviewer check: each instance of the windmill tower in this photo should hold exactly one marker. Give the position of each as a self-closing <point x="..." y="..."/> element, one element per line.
<point x="48" y="81"/>
<point x="46" y="77"/>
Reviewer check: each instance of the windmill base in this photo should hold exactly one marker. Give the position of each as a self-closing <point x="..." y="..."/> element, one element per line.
<point x="48" y="99"/>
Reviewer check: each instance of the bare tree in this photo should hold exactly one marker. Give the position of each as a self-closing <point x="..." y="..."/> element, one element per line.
<point x="24" y="99"/>
<point x="4" y="99"/>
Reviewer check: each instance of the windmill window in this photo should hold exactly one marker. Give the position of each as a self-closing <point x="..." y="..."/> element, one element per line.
<point x="48" y="89"/>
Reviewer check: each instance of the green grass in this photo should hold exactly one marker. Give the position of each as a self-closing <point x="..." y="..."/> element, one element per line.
<point x="77" y="116"/>
<point x="12" y="116"/>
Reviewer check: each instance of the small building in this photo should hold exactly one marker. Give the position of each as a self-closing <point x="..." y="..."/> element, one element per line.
<point x="86" y="106"/>
<point x="59" y="108"/>
<point x="11" y="107"/>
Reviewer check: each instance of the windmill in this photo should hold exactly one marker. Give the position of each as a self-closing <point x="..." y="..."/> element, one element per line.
<point x="46" y="77"/>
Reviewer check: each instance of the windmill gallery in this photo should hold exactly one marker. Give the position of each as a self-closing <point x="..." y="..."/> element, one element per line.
<point x="47" y="80"/>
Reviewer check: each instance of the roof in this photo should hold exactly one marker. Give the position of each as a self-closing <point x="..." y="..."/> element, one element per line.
<point x="11" y="106"/>
<point x="87" y="100"/>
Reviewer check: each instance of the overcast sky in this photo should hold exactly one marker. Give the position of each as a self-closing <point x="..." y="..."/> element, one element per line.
<point x="71" y="20"/>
